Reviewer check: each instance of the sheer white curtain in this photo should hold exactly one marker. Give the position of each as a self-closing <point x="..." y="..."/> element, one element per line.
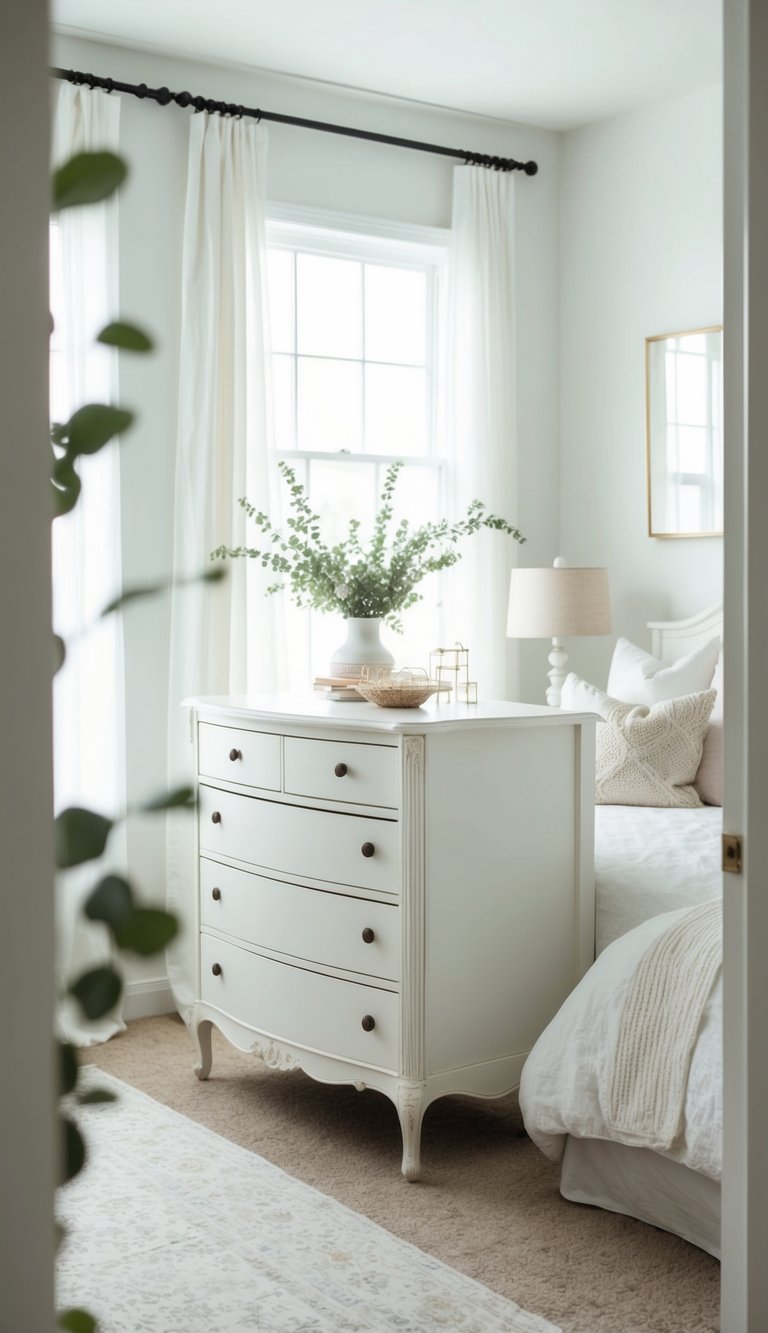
<point x="481" y="416"/>
<point x="89" y="750"/>
<point x="222" y="640"/>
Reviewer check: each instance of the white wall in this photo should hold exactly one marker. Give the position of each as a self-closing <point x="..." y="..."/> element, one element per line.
<point x="641" y="253"/>
<point x="322" y="171"/>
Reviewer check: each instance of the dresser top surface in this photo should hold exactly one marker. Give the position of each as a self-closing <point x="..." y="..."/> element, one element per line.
<point x="432" y="716"/>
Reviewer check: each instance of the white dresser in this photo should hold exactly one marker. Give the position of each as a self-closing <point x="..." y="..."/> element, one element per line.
<point x="396" y="899"/>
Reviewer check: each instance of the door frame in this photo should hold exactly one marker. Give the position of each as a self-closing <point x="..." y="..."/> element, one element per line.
<point x="744" y="1298"/>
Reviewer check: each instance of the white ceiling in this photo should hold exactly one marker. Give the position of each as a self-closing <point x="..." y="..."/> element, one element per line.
<point x="555" y="63"/>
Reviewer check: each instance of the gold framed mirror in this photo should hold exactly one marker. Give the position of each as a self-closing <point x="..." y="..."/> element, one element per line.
<point x="684" y="433"/>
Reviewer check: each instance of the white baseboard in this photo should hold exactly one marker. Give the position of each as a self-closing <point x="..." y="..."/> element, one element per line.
<point x="143" y="999"/>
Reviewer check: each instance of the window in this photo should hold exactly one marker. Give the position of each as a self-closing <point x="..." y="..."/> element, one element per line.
<point x="355" y="323"/>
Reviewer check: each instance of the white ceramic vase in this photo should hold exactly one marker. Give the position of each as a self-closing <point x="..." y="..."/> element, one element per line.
<point x="362" y="647"/>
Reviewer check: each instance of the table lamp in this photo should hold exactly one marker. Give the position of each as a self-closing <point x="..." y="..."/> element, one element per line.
<point x="556" y="603"/>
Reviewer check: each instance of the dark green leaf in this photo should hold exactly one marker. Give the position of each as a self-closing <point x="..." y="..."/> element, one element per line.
<point x="93" y="426"/>
<point x="77" y="1321"/>
<point x="96" y="1096"/>
<point x="134" y="595"/>
<point x="214" y="575"/>
<point x="72" y="1150"/>
<point x="97" y="991"/>
<point x="146" y="931"/>
<point x="125" y="336"/>
<point x="111" y="901"/>
<point x="80" y="835"/>
<point x="87" y="178"/>
<point x="68" y="1067"/>
<point x="59" y="653"/>
<point x="66" y="489"/>
<point x="181" y="796"/>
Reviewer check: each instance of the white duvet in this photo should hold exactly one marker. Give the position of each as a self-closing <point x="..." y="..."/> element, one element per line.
<point x="563" y="1081"/>
<point x="649" y="861"/>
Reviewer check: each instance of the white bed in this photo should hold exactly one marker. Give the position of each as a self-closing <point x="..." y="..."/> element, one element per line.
<point x="651" y="865"/>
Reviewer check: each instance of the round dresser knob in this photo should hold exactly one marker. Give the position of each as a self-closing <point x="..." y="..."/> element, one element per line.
<point x="368" y="1023"/>
<point x="216" y="894"/>
<point x="368" y="935"/>
<point x="367" y="849"/>
<point x="340" y="770"/>
<point x="216" y="817"/>
<point x="235" y="754"/>
<point x="216" y="969"/>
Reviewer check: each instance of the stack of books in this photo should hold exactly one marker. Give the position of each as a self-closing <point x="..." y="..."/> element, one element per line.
<point x="338" y="688"/>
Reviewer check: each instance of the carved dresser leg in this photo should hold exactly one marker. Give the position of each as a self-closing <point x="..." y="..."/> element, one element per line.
<point x="201" y="1033"/>
<point x="411" y="1106"/>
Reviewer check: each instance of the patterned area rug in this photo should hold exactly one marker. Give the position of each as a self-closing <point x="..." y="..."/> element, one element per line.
<point x="173" y="1229"/>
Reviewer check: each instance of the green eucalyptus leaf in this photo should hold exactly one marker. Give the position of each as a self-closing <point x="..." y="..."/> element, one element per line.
<point x="96" y="1096"/>
<point x="68" y="1067"/>
<point x="59" y="653"/>
<point x="80" y="835"/>
<point x="111" y="901"/>
<point x="97" y="991"/>
<point x="93" y="426"/>
<point x="180" y="797"/>
<point x="127" y="337"/>
<point x="87" y="178"/>
<point x="77" y="1321"/>
<point x="73" y="1153"/>
<point x="146" y="931"/>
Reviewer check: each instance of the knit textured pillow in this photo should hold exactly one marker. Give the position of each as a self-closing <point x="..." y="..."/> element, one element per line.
<point x="645" y="756"/>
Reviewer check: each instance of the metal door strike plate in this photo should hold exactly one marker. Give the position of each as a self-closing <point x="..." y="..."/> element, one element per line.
<point x="732" y="853"/>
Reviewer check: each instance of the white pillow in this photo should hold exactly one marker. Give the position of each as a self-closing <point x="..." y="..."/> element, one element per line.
<point x="709" y="779"/>
<point x="636" y="677"/>
<point x="645" y="756"/>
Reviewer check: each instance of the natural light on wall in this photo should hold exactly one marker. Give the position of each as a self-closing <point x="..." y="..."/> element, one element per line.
<point x="355" y="361"/>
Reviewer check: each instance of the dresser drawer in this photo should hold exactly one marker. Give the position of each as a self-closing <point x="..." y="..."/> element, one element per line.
<point x="250" y="757"/>
<point x="356" y="773"/>
<point x="307" y="923"/>
<point x="306" y="1008"/>
<point x="317" y="844"/>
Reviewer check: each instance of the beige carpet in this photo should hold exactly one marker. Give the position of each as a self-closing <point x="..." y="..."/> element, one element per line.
<point x="488" y="1203"/>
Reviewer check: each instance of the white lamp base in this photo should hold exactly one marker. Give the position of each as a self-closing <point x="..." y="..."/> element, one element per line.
<point x="557" y="660"/>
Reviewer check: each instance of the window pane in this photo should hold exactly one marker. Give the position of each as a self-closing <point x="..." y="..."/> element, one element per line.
<point x="691" y="517"/>
<point x="416" y="494"/>
<point x="330" y="404"/>
<point x="395" y="411"/>
<point x="283" y="370"/>
<point x="692" y="449"/>
<point x="341" y="491"/>
<point x="691" y="390"/>
<point x="281" y="300"/>
<point x="329" y="306"/>
<point x="395" y="315"/>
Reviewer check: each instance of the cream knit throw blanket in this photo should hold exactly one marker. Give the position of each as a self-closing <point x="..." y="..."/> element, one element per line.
<point x="659" y="1024"/>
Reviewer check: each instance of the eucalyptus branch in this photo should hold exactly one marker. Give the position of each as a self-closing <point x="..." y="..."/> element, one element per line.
<point x="374" y="581"/>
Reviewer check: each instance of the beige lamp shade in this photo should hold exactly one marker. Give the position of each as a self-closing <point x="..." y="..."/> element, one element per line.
<point x="553" y="603"/>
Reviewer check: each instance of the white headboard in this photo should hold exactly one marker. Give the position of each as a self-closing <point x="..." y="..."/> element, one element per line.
<point x="672" y="639"/>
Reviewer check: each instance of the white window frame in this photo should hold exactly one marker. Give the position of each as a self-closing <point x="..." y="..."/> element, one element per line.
<point x="374" y="240"/>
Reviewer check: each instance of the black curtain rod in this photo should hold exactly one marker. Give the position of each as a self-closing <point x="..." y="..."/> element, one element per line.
<point x="164" y="97"/>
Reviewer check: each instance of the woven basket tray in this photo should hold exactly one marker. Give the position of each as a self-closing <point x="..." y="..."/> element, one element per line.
<point x="397" y="696"/>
